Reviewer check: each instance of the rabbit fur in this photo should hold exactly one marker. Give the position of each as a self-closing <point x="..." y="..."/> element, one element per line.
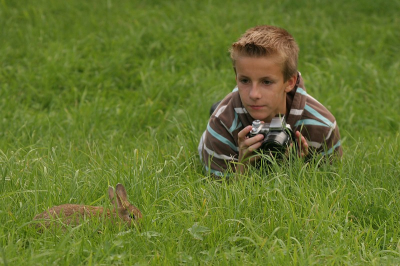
<point x="75" y="214"/>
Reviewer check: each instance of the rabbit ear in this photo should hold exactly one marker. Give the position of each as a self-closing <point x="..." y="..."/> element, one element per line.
<point x="122" y="197"/>
<point x="111" y="195"/>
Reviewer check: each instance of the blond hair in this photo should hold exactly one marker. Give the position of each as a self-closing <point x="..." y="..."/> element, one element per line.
<point x="268" y="40"/>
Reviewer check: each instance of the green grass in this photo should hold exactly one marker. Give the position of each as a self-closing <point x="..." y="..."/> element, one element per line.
<point x="93" y="93"/>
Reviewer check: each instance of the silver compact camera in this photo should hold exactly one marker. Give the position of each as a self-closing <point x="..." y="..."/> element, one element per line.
<point x="277" y="135"/>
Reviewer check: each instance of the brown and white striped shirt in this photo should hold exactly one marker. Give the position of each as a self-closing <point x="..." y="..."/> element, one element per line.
<point x="218" y="147"/>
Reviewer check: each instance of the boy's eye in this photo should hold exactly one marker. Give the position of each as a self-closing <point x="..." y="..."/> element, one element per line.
<point x="267" y="82"/>
<point x="244" y="80"/>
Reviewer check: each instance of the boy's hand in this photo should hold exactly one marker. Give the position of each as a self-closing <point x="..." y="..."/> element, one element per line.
<point x="248" y="145"/>
<point x="302" y="144"/>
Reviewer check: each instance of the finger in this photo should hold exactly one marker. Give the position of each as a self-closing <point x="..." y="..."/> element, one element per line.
<point x="302" y="143"/>
<point x="243" y="133"/>
<point x="250" y="145"/>
<point x="254" y="140"/>
<point x="245" y="142"/>
<point x="304" y="146"/>
<point x="247" y="147"/>
<point x="298" y="136"/>
<point x="254" y="143"/>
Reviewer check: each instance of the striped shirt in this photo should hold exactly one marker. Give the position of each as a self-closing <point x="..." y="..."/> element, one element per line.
<point x="218" y="147"/>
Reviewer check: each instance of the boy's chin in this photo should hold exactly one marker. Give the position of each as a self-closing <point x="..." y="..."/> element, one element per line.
<point x="260" y="117"/>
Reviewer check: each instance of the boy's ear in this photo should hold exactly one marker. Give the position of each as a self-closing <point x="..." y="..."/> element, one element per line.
<point x="290" y="83"/>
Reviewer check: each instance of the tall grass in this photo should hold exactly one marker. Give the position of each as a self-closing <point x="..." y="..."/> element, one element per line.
<point x="93" y="93"/>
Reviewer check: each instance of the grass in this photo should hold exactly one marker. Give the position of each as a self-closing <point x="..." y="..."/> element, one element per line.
<point x="93" y="93"/>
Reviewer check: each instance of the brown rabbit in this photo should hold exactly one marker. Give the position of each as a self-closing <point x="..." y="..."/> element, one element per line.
<point x="74" y="214"/>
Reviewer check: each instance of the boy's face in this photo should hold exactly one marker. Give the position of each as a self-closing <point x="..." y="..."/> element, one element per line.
<point x="262" y="88"/>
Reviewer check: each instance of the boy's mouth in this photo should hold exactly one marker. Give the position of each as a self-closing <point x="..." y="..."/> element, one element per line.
<point x="256" y="107"/>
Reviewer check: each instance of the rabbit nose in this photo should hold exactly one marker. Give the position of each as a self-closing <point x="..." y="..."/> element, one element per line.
<point x="132" y="216"/>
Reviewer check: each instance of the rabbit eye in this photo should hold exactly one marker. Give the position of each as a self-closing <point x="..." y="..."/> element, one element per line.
<point x="132" y="216"/>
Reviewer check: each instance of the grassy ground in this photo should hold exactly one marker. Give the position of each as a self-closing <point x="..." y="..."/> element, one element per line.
<point x="93" y="93"/>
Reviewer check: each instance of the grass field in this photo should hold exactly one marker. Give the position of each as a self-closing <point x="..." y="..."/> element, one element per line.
<point x="94" y="93"/>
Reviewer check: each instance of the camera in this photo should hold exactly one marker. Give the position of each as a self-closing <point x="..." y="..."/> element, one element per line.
<point x="277" y="135"/>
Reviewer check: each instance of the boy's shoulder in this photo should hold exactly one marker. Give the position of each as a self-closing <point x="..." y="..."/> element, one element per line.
<point x="305" y="109"/>
<point x="230" y="113"/>
<point x="228" y="106"/>
<point x="314" y="121"/>
<point x="313" y="109"/>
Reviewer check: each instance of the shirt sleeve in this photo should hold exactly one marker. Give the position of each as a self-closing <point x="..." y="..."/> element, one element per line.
<point x="218" y="149"/>
<point x="320" y="129"/>
<point x="332" y="145"/>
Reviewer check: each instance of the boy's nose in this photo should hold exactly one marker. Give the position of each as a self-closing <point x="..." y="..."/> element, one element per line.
<point x="255" y="92"/>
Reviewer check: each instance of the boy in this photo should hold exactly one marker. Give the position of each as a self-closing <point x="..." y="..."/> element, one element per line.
<point x="268" y="84"/>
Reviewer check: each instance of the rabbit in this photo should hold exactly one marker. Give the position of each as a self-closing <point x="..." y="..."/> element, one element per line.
<point x="74" y="214"/>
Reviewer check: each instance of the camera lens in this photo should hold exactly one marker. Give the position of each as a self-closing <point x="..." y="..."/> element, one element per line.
<point x="276" y="141"/>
